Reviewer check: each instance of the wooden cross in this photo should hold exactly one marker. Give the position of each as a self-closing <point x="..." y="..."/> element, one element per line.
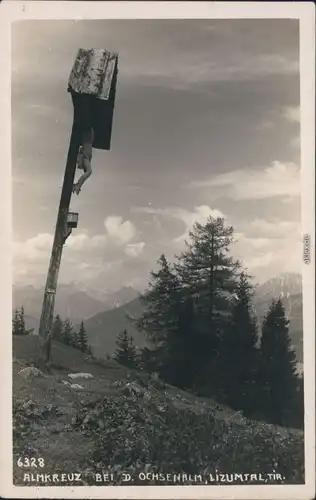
<point x="92" y="84"/>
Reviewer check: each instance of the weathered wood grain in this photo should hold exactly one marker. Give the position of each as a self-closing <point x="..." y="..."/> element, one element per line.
<point x="92" y="72"/>
<point x="92" y="83"/>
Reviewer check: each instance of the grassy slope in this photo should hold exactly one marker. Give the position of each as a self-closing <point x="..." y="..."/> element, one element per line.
<point x="206" y="434"/>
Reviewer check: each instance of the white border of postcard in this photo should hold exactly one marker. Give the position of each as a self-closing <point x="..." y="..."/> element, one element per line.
<point x="11" y="11"/>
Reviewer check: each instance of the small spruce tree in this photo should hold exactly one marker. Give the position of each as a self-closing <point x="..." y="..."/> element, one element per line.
<point x="23" y="330"/>
<point x="15" y="322"/>
<point x="160" y="320"/>
<point x="240" y="352"/>
<point x="68" y="333"/>
<point x="82" y="339"/>
<point x="125" y="353"/>
<point x="57" y="329"/>
<point x="278" y="378"/>
<point x="18" y="323"/>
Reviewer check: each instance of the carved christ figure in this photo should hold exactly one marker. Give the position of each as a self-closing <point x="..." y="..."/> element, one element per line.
<point x="92" y="84"/>
<point x="84" y="158"/>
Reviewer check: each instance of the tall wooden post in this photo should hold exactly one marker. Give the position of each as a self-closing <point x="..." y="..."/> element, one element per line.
<point x="46" y="320"/>
<point x="92" y="84"/>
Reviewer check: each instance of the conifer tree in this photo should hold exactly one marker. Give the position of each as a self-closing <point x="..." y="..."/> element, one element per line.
<point x="161" y="302"/>
<point x="23" y="330"/>
<point x="160" y="320"/>
<point x="121" y="353"/>
<point x="241" y="358"/>
<point x="208" y="274"/>
<point x="82" y="339"/>
<point x="148" y="358"/>
<point x="68" y="333"/>
<point x="75" y="340"/>
<point x="207" y="271"/>
<point x="57" y="329"/>
<point x="89" y="350"/>
<point x="296" y="419"/>
<point x="125" y="352"/>
<point x="278" y="377"/>
<point x="15" y="323"/>
<point x="182" y="349"/>
<point x="132" y="354"/>
<point x="18" y="323"/>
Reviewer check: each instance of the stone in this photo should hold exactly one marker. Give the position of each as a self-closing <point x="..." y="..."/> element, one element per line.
<point x="76" y="386"/>
<point x="30" y="371"/>
<point x="80" y="375"/>
<point x="133" y="387"/>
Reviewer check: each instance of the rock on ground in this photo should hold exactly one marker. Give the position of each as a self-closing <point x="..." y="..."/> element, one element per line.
<point x="30" y="371"/>
<point x="72" y="386"/>
<point x="134" y="387"/>
<point x="80" y="375"/>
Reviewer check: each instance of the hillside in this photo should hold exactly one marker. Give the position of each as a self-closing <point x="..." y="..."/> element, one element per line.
<point x="103" y="328"/>
<point x="125" y="421"/>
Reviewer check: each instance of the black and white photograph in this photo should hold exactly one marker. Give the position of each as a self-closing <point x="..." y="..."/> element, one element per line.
<point x="162" y="252"/>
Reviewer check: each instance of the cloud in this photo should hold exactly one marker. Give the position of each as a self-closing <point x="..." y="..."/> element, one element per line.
<point x="263" y="246"/>
<point x="159" y="51"/>
<point x="292" y="114"/>
<point x="135" y="249"/>
<point x="295" y="142"/>
<point x="257" y="262"/>
<point x="278" y="179"/>
<point x="200" y="214"/>
<point x="273" y="229"/>
<point x="232" y="65"/>
<point x="31" y="257"/>
<point x="121" y="232"/>
<point x="265" y="125"/>
<point x="253" y="241"/>
<point x="33" y="248"/>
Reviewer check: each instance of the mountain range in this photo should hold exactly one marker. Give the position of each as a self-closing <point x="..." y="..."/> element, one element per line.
<point x="73" y="301"/>
<point x="108" y="313"/>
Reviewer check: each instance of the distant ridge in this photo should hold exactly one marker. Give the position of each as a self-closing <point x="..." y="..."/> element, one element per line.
<point x="72" y="301"/>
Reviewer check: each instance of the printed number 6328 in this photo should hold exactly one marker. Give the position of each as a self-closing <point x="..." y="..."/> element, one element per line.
<point x="30" y="462"/>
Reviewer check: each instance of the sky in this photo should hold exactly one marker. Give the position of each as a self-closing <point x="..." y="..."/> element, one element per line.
<point x="206" y="122"/>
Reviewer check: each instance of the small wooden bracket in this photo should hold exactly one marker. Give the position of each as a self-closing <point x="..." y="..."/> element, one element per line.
<point x="67" y="232"/>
